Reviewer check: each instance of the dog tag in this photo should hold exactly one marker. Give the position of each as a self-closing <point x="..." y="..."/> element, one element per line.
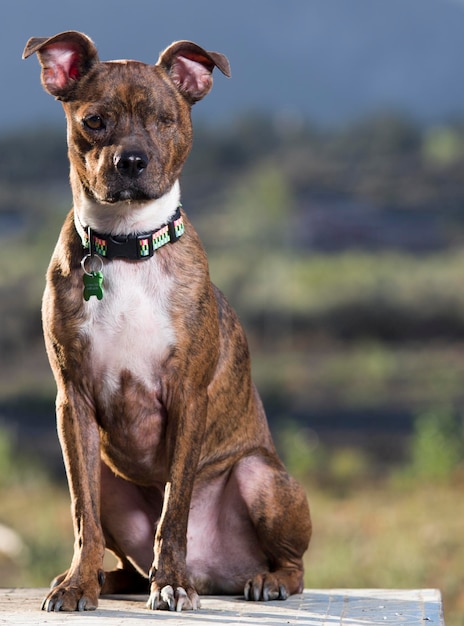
<point x="93" y="282"/>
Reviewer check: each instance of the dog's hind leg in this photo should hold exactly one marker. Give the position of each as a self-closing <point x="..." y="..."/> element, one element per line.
<point x="279" y="511"/>
<point x="129" y="515"/>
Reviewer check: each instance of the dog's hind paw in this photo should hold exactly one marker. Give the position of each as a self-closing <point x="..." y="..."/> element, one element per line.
<point x="167" y="599"/>
<point x="265" y="587"/>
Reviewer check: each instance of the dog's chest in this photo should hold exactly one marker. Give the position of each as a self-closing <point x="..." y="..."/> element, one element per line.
<point x="130" y="329"/>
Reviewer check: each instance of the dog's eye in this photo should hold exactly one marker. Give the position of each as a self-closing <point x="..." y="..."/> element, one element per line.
<point x="94" y="122"/>
<point x="165" y="120"/>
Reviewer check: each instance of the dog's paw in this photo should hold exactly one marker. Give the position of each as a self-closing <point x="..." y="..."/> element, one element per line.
<point x="265" y="587"/>
<point x="168" y="599"/>
<point x="63" y="598"/>
<point x="66" y="595"/>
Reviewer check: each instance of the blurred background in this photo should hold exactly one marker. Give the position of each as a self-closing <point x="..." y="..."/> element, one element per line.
<point x="326" y="181"/>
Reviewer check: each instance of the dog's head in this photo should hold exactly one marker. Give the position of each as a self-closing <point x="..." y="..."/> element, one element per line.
<point x="129" y="129"/>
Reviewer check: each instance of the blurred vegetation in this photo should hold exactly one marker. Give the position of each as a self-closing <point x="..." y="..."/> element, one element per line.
<point x="342" y="252"/>
<point x="401" y="528"/>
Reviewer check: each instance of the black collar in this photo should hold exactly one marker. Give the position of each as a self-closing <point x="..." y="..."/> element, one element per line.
<point x="134" y="247"/>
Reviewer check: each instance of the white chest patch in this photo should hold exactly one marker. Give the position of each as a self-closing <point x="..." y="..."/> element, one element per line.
<point x="130" y="328"/>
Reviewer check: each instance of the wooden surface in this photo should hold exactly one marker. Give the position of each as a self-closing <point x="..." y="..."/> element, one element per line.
<point x="315" y="607"/>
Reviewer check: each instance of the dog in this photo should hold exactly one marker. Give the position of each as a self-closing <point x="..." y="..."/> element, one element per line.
<point x="168" y="454"/>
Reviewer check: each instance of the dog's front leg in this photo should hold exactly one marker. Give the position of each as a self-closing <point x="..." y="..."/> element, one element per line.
<point x="80" y="587"/>
<point x="171" y="588"/>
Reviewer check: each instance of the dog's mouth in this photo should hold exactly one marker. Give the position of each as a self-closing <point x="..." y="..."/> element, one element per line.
<point x="122" y="195"/>
<point x="114" y="189"/>
<point x="128" y="195"/>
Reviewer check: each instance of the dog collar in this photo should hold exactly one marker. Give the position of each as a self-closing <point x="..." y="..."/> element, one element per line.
<point x="134" y="247"/>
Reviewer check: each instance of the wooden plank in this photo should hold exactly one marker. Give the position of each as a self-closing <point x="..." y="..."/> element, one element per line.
<point x="315" y="607"/>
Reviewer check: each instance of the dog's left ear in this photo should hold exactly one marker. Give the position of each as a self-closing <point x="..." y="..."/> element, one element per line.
<point x="190" y="68"/>
<point x="65" y="59"/>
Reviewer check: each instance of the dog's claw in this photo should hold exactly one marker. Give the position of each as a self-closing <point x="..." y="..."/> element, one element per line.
<point x="84" y="604"/>
<point x="167" y="596"/>
<point x="182" y="598"/>
<point x="152" y="601"/>
<point x="283" y="593"/>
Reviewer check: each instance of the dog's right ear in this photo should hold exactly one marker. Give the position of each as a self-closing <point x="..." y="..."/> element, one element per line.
<point x="65" y="59"/>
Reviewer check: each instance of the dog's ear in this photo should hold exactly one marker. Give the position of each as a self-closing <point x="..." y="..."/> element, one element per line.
<point x="64" y="58"/>
<point x="190" y="68"/>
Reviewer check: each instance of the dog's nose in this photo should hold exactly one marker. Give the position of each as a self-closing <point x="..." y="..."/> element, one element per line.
<point x="131" y="164"/>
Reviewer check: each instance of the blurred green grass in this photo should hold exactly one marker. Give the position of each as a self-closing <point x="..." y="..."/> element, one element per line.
<point x="315" y="284"/>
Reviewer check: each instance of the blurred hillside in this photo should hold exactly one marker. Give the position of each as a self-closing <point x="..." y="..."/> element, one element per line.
<point x="342" y="252"/>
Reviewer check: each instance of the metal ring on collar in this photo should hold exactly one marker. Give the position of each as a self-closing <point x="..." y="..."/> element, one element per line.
<point x="91" y="256"/>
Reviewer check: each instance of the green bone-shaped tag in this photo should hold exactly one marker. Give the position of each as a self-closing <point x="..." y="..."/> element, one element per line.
<point x="93" y="282"/>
